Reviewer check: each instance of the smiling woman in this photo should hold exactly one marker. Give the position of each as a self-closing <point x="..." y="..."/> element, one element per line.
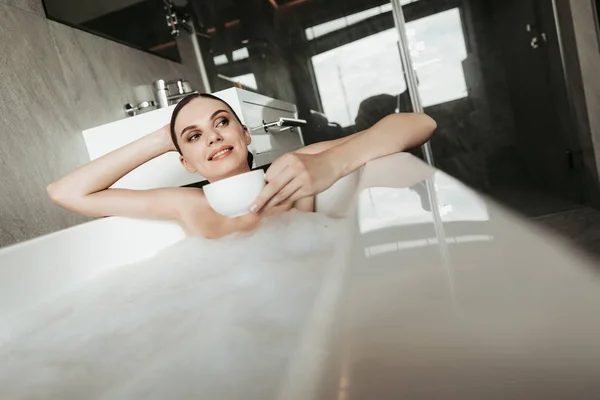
<point x="212" y="141"/>
<point x="226" y="140"/>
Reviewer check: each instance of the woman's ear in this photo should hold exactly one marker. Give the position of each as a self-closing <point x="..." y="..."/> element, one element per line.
<point x="186" y="165"/>
<point x="247" y="135"/>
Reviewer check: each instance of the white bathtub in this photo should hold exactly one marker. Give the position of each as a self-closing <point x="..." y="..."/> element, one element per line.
<point x="466" y="302"/>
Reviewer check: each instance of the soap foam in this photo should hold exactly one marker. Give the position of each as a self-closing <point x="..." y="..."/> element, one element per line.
<point x="197" y="316"/>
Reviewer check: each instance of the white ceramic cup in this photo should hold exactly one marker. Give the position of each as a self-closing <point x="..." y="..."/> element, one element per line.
<point x="233" y="196"/>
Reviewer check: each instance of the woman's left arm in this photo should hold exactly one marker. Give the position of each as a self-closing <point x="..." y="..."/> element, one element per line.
<point x="315" y="168"/>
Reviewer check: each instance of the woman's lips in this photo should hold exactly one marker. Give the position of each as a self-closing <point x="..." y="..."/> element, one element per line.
<point x="222" y="154"/>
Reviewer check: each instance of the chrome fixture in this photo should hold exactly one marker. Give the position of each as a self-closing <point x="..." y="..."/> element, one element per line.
<point x="132" y="110"/>
<point x="283" y="123"/>
<point x="162" y="91"/>
<point x="199" y="59"/>
<point x="237" y="84"/>
<point x="412" y="81"/>
<point x="176" y="19"/>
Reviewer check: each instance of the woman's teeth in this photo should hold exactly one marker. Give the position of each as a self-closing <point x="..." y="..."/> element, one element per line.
<point x="220" y="153"/>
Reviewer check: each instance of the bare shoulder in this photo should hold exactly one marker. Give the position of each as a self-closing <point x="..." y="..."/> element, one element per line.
<point x="188" y="193"/>
<point x="188" y="199"/>
<point x="178" y="202"/>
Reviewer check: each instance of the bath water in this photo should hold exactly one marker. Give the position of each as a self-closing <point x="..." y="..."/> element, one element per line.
<point x="204" y="319"/>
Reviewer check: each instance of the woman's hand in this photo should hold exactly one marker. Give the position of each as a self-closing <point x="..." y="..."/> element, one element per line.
<point x="294" y="176"/>
<point x="164" y="135"/>
<point x="310" y="170"/>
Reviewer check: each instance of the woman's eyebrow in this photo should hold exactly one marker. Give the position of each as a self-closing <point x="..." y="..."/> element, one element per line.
<point x="188" y="128"/>
<point x="217" y="112"/>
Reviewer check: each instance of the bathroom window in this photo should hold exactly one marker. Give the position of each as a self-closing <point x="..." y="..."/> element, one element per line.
<point x="438" y="49"/>
<point x="351" y="73"/>
<point x="331" y="26"/>
<point x="371" y="66"/>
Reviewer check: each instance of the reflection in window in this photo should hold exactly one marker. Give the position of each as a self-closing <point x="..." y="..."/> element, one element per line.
<point x="378" y="249"/>
<point x="239" y="54"/>
<point x="385" y="207"/>
<point x="248" y="80"/>
<point x="371" y="66"/>
<point x="334" y="25"/>
<point x="220" y="59"/>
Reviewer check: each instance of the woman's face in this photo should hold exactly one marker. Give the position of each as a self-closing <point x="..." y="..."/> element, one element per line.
<point x="213" y="143"/>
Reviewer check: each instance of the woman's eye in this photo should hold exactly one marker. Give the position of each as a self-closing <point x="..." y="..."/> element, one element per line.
<point x="223" y="122"/>
<point x="194" y="137"/>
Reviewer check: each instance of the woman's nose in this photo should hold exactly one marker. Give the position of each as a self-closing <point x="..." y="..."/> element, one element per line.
<point x="213" y="138"/>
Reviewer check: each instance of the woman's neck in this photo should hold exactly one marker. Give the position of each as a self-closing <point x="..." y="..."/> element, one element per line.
<point x="238" y="171"/>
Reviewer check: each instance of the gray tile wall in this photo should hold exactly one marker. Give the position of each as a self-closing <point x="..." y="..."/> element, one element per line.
<point x="34" y="6"/>
<point x="56" y="81"/>
<point x="475" y="139"/>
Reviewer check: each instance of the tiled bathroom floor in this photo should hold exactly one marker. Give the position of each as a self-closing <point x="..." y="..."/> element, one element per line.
<point x="580" y="226"/>
<point x="530" y="202"/>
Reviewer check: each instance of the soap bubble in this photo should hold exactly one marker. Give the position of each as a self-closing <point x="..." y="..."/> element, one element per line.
<point x="198" y="316"/>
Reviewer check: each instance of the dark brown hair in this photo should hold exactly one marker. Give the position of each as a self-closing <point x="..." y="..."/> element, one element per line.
<point x="184" y="102"/>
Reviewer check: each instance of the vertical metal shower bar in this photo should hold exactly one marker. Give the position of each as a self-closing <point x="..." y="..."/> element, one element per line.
<point x="199" y="58"/>
<point x="409" y="72"/>
<point x="413" y="90"/>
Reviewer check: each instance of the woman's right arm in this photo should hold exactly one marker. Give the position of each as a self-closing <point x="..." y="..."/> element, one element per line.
<point x="86" y="190"/>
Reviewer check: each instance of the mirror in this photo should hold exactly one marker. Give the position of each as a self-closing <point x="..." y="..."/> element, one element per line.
<point x="597" y="7"/>
<point x="140" y="24"/>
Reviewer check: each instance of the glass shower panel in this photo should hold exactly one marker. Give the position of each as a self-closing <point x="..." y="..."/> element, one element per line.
<point x="487" y="73"/>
